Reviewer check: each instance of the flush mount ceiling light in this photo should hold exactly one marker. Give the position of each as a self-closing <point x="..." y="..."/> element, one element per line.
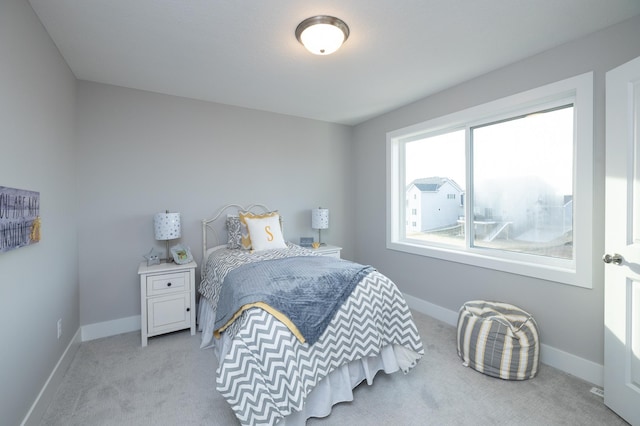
<point x="322" y="34"/>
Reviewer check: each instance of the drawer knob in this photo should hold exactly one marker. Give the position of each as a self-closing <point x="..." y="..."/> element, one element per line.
<point x="188" y="309"/>
<point x="168" y="284"/>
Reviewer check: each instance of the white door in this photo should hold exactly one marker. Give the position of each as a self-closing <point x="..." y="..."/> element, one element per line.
<point x="622" y="243"/>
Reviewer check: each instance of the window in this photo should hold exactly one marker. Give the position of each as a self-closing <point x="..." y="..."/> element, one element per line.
<point x="523" y="183"/>
<point x="505" y="185"/>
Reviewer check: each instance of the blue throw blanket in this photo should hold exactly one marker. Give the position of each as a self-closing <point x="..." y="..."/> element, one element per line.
<point x="308" y="290"/>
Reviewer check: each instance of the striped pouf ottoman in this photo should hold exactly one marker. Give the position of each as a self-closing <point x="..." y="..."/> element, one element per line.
<point x="498" y="339"/>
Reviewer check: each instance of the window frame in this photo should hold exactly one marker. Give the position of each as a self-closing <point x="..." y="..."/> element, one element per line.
<point x="577" y="271"/>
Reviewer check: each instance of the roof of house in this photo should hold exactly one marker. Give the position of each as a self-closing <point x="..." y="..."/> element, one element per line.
<point x="433" y="184"/>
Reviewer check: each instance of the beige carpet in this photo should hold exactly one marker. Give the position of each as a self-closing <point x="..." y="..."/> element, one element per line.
<point x="114" y="381"/>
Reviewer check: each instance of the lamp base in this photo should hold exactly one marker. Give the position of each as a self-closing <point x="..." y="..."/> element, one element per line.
<point x="168" y="259"/>
<point x="320" y="239"/>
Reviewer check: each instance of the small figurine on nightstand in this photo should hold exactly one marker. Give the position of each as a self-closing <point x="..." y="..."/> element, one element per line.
<point x="153" y="257"/>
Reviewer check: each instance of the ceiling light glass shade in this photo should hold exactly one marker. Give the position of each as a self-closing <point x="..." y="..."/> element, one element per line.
<point x="322" y="35"/>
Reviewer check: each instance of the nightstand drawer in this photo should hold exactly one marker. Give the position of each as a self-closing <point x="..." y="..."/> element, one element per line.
<point x="328" y="250"/>
<point x="167" y="283"/>
<point x="335" y="254"/>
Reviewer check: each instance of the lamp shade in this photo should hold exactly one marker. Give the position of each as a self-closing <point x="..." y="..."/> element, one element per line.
<point x="167" y="226"/>
<point x="320" y="218"/>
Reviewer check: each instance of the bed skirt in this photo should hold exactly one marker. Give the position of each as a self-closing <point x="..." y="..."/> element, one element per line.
<point x="335" y="388"/>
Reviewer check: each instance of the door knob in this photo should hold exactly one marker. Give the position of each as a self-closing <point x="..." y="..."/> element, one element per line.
<point x="614" y="258"/>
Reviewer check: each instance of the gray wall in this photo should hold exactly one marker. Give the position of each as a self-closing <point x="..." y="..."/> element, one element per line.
<point x="38" y="283"/>
<point x="570" y="318"/>
<point x="140" y="153"/>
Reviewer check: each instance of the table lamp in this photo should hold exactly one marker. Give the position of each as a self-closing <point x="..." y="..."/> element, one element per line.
<point x="320" y="221"/>
<point x="167" y="227"/>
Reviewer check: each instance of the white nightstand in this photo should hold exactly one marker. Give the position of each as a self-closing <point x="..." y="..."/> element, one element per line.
<point x="167" y="298"/>
<point x="327" y="250"/>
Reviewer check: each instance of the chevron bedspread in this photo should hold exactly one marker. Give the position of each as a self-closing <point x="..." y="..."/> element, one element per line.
<point x="265" y="373"/>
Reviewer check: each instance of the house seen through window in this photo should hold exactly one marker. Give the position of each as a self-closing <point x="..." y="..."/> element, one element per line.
<point x="522" y="179"/>
<point x="496" y="185"/>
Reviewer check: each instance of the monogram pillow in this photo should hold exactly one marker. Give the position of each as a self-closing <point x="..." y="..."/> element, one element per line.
<point x="265" y="233"/>
<point x="246" y="238"/>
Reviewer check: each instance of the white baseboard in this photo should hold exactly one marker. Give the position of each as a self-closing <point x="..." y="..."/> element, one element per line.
<point x="569" y="363"/>
<point x="39" y="406"/>
<point x="583" y="368"/>
<point x="434" y="311"/>
<point x="110" y="328"/>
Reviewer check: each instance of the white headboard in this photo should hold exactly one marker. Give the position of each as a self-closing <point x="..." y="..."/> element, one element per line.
<point x="214" y="231"/>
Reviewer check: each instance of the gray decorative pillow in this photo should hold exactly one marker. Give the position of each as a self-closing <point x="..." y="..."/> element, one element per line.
<point x="234" y="231"/>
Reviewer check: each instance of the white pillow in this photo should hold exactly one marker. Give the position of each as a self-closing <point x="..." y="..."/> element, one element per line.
<point x="245" y="238"/>
<point x="265" y="233"/>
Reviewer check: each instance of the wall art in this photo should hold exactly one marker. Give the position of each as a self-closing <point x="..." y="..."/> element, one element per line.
<point x="19" y="218"/>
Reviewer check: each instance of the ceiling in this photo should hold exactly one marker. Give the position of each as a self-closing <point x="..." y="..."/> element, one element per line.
<point x="245" y="53"/>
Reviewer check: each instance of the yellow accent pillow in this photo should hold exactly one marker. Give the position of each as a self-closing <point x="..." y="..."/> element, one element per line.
<point x="265" y="233"/>
<point x="246" y="238"/>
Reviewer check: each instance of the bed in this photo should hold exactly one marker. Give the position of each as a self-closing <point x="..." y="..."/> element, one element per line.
<point x="269" y="370"/>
